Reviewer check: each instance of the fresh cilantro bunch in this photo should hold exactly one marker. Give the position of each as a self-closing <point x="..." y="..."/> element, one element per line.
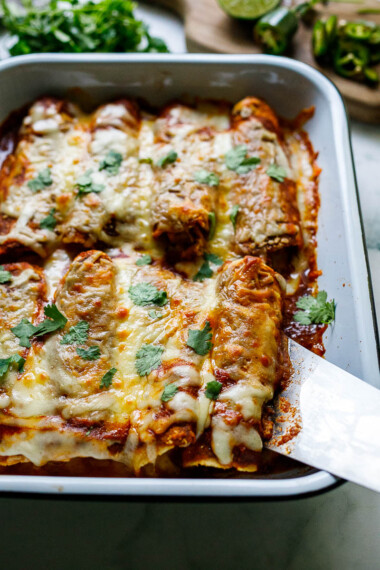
<point x="315" y="310"/>
<point x="106" y="26"/>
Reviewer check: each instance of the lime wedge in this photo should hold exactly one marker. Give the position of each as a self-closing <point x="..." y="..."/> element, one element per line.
<point x="248" y="9"/>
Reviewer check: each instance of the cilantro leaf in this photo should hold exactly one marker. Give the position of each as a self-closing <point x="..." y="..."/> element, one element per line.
<point x="111" y="162"/>
<point x="146" y="160"/>
<point x="148" y="358"/>
<point x="276" y="172"/>
<point x="200" y="340"/>
<point x="54" y="322"/>
<point x="144" y="260"/>
<point x="24" y="330"/>
<point x="236" y="159"/>
<point x="167" y="159"/>
<point x="206" y="177"/>
<point x="234" y="215"/>
<point x="204" y="272"/>
<point x="144" y="294"/>
<point x="85" y="185"/>
<point x="169" y="392"/>
<point x="315" y="310"/>
<point x="5" y="363"/>
<point x="155" y="314"/>
<point x="5" y="276"/>
<point x="213" y="389"/>
<point x="215" y="259"/>
<point x="42" y="180"/>
<point x="212" y="222"/>
<point x="77" y="334"/>
<point x="49" y="222"/>
<point x="91" y="353"/>
<point x="106" y="381"/>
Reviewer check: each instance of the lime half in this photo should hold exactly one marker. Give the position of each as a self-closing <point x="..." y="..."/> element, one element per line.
<point x="248" y="9"/>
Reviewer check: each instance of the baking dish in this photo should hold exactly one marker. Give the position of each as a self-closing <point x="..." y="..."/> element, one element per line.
<point x="289" y="87"/>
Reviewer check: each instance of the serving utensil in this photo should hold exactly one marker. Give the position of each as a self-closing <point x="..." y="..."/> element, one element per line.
<point x="329" y="419"/>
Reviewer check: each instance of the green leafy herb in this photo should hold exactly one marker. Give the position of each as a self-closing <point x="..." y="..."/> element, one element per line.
<point x="234" y="215"/>
<point x="91" y="353"/>
<point x="85" y="184"/>
<point x="5" y="363"/>
<point x="77" y="334"/>
<point x="112" y="162"/>
<point x="315" y="310"/>
<point x="148" y="358"/>
<point x="155" y="314"/>
<point x="24" y="331"/>
<point x="5" y="276"/>
<point x="213" y="258"/>
<point x="144" y="260"/>
<point x="206" y="177"/>
<point x="49" y="222"/>
<point x="212" y="222"/>
<point x="213" y="389"/>
<point x="200" y="340"/>
<point x="41" y="181"/>
<point x="276" y="172"/>
<point x="236" y="159"/>
<point x="78" y="27"/>
<point x="146" y="160"/>
<point x="144" y="294"/>
<point x="205" y="271"/>
<point x="169" y="392"/>
<point x="167" y="159"/>
<point x="54" y="321"/>
<point x="106" y="381"/>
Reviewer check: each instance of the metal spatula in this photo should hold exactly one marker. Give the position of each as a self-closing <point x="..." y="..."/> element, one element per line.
<point x="329" y="419"/>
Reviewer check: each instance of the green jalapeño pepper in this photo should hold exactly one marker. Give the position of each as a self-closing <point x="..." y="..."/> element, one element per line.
<point x="331" y="29"/>
<point x="319" y="39"/>
<point x="351" y="58"/>
<point x="371" y="76"/>
<point x="360" y="31"/>
<point x="275" y="30"/>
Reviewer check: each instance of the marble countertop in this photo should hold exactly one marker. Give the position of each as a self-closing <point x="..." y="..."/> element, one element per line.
<point x="333" y="531"/>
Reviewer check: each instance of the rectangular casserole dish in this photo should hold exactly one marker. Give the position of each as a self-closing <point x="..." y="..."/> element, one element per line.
<point x="289" y="87"/>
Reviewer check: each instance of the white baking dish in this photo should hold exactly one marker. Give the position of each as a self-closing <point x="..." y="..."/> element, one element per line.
<point x="288" y="86"/>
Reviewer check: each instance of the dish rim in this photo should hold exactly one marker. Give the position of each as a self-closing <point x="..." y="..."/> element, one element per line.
<point x="203" y="488"/>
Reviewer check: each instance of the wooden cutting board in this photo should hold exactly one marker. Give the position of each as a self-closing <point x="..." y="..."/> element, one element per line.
<point x="209" y="29"/>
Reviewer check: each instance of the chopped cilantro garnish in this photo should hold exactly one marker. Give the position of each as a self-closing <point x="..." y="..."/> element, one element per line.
<point x="85" y="184"/>
<point x="146" y="160"/>
<point x="5" y="363"/>
<point x="212" y="222"/>
<point x="41" y="181"/>
<point x="206" y="177"/>
<point x="49" y="222"/>
<point x="91" y="353"/>
<point x="167" y="159"/>
<point x="236" y="159"/>
<point x="315" y="310"/>
<point x="148" y="358"/>
<point x="200" y="340"/>
<point x="25" y="330"/>
<point x="5" y="276"/>
<point x="213" y="258"/>
<point x="77" y="334"/>
<point x="144" y="294"/>
<point x="155" y="314"/>
<point x="144" y="260"/>
<point x="106" y="381"/>
<point x="169" y="392"/>
<point x="213" y="389"/>
<point x="111" y="162"/>
<point x="234" y="215"/>
<point x="107" y="26"/>
<point x="276" y="172"/>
